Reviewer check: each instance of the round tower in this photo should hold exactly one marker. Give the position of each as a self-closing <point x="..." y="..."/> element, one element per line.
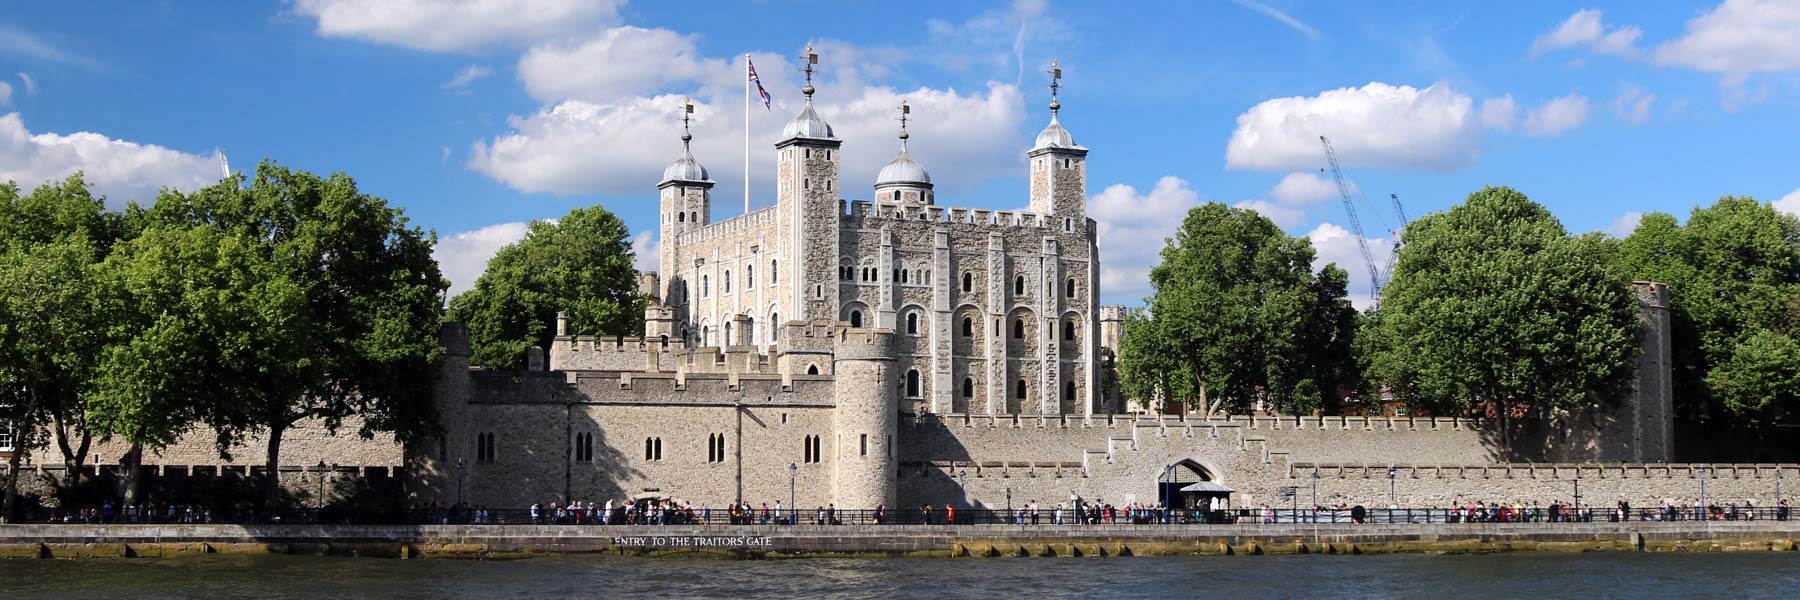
<point x="865" y="418"/>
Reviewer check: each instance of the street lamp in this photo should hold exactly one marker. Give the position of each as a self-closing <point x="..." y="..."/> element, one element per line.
<point x="1167" y="471"/>
<point x="793" y="475"/>
<point x="461" y="471"/>
<point x="1315" y="495"/>
<point x="1009" y="512"/>
<point x="320" y="496"/>
<point x="1392" y="497"/>
<point x="964" y="476"/>
<point x="1702" y="472"/>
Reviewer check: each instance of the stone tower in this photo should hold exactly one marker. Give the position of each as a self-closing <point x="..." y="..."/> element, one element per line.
<point x="686" y="195"/>
<point x="1651" y="406"/>
<point x="807" y="191"/>
<point x="865" y="418"/>
<point x="1059" y="169"/>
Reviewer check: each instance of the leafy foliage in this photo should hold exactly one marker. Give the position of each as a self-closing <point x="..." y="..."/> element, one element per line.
<point x="1494" y="310"/>
<point x="580" y="264"/>
<point x="1237" y="316"/>
<point x="1734" y="285"/>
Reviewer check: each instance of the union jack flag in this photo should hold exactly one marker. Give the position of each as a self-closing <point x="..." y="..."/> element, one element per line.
<point x="758" y="81"/>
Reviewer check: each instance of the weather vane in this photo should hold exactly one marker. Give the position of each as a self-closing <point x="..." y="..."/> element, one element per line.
<point x="1055" y="84"/>
<point x="810" y="59"/>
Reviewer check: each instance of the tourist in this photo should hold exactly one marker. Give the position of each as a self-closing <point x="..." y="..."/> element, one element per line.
<point x="778" y="520"/>
<point x="535" y="507"/>
<point x="1781" y="510"/>
<point x="1034" y="512"/>
<point x="949" y="515"/>
<point x="880" y="512"/>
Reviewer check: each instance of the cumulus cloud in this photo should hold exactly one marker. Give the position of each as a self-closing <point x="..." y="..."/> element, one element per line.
<point x="457" y="25"/>
<point x="646" y="250"/>
<point x="1634" y="106"/>
<point x="620" y="147"/>
<point x="1557" y="115"/>
<point x="120" y="170"/>
<point x="464" y="255"/>
<point x="1790" y="203"/>
<point x="1334" y="244"/>
<point x="1499" y="113"/>
<point x="1585" y="29"/>
<point x="1284" y="216"/>
<point x="466" y="76"/>
<point x="1625" y="224"/>
<point x="1306" y="187"/>
<point x="621" y="62"/>
<point x="1377" y="125"/>
<point x="1737" y="38"/>
<point x="1133" y="228"/>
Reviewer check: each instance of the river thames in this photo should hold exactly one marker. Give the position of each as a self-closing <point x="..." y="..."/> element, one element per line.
<point x="1507" y="575"/>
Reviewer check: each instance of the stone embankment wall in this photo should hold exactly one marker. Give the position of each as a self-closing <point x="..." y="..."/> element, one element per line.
<point x="453" y="541"/>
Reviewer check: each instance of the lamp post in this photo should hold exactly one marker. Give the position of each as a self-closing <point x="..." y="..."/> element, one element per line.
<point x="1777" y="484"/>
<point x="1393" y="498"/>
<point x="1315" y="495"/>
<point x="793" y="476"/>
<point x="1168" y="470"/>
<point x="1702" y="472"/>
<point x="461" y="471"/>
<point x="963" y="475"/>
<point x="320" y="496"/>
<point x="1009" y="512"/>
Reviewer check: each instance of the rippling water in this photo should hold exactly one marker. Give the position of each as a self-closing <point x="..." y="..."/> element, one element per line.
<point x="1513" y="575"/>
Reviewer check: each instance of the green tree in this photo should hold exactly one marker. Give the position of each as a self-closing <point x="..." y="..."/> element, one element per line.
<point x="362" y="340"/>
<point x="1734" y="275"/>
<point x="50" y="242"/>
<point x="1494" y="310"/>
<point x="1237" y="316"/>
<point x="581" y="264"/>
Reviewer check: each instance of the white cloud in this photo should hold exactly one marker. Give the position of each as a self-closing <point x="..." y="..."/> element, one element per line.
<point x="1499" y="113"/>
<point x="120" y="170"/>
<point x="1284" y="216"/>
<point x="1634" y="106"/>
<point x="30" y="84"/>
<point x="1278" y="16"/>
<point x="466" y="76"/>
<point x="1585" y="29"/>
<point x="1790" y="203"/>
<point x="1335" y="244"/>
<point x="5" y="92"/>
<point x="1557" y="115"/>
<point x="27" y="46"/>
<point x="1625" y="224"/>
<point x="463" y="256"/>
<point x="621" y="147"/>
<point x="457" y="25"/>
<point x="1737" y="38"/>
<point x="1133" y="228"/>
<point x="1377" y="125"/>
<point x="646" y="250"/>
<point x="621" y="62"/>
<point x="1306" y="187"/>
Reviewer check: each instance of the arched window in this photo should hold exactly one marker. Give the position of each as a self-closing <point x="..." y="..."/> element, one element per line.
<point x="726" y="282"/>
<point x="696" y="216"/>
<point x="968" y="329"/>
<point x="680" y="217"/>
<point x="856" y="318"/>
<point x="750" y="277"/>
<point x="774" y="273"/>
<point x="1019" y="328"/>
<point x="1019" y="285"/>
<point x="912" y="383"/>
<point x="705" y="286"/>
<point x="968" y="387"/>
<point x="902" y="275"/>
<point x="968" y="282"/>
<point x="1019" y="389"/>
<point x="1069" y="288"/>
<point x="1068" y="331"/>
<point x="812" y="370"/>
<point x="774" y="326"/>
<point x="912" y="323"/>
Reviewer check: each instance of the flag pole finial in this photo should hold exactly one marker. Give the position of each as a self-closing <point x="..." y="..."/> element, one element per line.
<point x="904" y="111"/>
<point x="1055" y="84"/>
<point x="687" y="112"/>
<point x="809" y="59"/>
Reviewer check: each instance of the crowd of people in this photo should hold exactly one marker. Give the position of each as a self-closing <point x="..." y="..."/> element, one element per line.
<point x="107" y="513"/>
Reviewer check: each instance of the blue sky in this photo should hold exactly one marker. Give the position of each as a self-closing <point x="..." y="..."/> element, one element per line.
<point x="478" y="116"/>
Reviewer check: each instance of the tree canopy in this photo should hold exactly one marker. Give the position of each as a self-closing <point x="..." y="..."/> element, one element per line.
<point x="1238" y="316"/>
<point x="580" y="264"/>
<point x="1494" y="310"/>
<point x="1734" y="284"/>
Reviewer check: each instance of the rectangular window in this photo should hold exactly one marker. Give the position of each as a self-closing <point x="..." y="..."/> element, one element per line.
<point x="865" y="444"/>
<point x="7" y="436"/>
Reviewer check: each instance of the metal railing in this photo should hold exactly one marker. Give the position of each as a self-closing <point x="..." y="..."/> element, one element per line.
<point x="1052" y="517"/>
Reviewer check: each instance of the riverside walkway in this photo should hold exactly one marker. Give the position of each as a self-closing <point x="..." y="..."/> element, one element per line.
<point x="772" y="541"/>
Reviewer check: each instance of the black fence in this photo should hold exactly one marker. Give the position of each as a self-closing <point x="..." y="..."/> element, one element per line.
<point x="1087" y="515"/>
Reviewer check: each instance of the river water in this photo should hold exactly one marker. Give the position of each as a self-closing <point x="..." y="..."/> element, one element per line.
<point x="1510" y="575"/>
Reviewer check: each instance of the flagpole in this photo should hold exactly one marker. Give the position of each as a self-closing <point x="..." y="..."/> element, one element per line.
<point x="746" y="133"/>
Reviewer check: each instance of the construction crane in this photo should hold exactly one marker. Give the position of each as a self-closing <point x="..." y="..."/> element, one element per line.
<point x="1399" y="211"/>
<point x="1362" y="243"/>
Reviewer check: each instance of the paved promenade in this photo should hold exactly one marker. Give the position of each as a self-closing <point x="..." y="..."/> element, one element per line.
<point x="755" y="541"/>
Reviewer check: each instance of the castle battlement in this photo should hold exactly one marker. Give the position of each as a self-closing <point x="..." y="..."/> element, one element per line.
<point x="744" y="222"/>
<point x="861" y="212"/>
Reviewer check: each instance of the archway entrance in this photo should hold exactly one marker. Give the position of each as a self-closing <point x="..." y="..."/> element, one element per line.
<point x="1189" y="486"/>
